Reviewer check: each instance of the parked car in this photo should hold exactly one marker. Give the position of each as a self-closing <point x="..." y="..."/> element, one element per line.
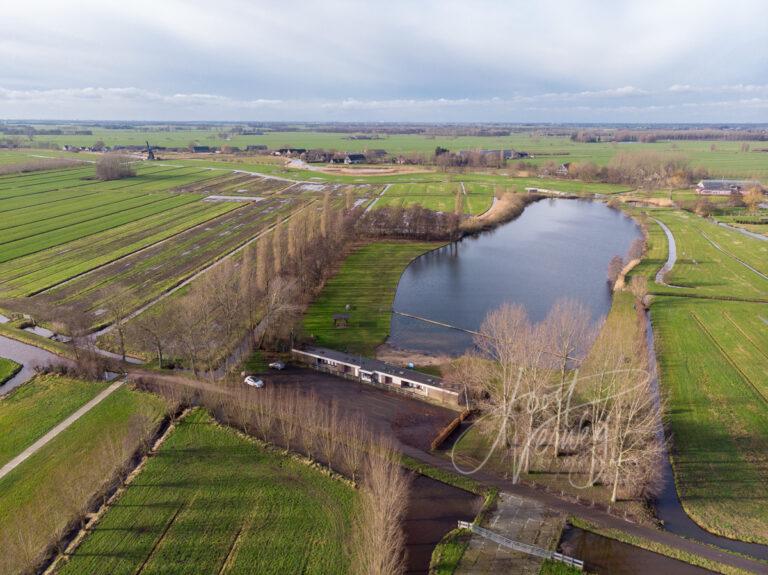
<point x="277" y="365"/>
<point x="253" y="382"/>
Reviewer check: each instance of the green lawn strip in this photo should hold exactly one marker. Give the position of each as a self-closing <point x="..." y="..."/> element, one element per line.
<point x="36" y="493"/>
<point x="45" y="199"/>
<point x="211" y="496"/>
<point x="367" y="282"/>
<point x="552" y="567"/>
<point x="33" y="409"/>
<point x="659" y="548"/>
<point x="719" y="424"/>
<point x="83" y="206"/>
<point x="43" y="270"/>
<point x="53" y="237"/>
<point x="8" y="368"/>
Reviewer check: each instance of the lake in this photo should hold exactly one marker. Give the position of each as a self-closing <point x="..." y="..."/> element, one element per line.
<point x="556" y="248"/>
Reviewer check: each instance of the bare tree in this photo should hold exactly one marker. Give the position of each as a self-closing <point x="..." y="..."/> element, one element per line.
<point x="380" y="540"/>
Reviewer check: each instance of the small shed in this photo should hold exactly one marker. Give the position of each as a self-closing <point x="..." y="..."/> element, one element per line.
<point x="341" y="320"/>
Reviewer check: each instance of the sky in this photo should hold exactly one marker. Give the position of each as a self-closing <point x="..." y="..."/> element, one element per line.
<point x="390" y="61"/>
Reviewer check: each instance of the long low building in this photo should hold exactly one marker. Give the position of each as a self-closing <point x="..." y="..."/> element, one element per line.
<point x="378" y="372"/>
<point x="726" y="187"/>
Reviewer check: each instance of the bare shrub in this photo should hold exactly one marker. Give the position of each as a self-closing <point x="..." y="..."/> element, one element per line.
<point x="114" y="168"/>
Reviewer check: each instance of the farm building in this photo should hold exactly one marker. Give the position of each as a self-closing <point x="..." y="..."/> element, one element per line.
<point x="378" y="372"/>
<point x="725" y="187"/>
<point x="354" y="158"/>
<point x="201" y="149"/>
<point x="256" y="148"/>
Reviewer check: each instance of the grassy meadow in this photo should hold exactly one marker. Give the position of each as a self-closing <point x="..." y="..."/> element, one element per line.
<point x="712" y="354"/>
<point x="30" y="411"/>
<point x="44" y="494"/>
<point x="721" y="158"/>
<point x="212" y="501"/>
<point x="367" y="282"/>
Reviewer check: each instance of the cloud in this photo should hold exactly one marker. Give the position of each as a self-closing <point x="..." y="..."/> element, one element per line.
<point x="344" y="58"/>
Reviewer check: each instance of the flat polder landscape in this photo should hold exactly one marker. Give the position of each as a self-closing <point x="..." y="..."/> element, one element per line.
<point x="343" y="290"/>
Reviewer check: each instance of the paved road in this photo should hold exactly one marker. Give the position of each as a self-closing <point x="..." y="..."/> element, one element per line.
<point x="671" y="257"/>
<point x="27" y="355"/>
<point x="40" y="443"/>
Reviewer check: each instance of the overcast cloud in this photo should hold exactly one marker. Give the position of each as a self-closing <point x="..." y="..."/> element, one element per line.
<point x="505" y="61"/>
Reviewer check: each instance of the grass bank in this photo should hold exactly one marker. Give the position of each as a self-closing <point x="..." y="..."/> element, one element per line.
<point x="366" y="283"/>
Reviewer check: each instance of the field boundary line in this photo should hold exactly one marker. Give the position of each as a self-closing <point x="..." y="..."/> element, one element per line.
<point x="189" y="279"/>
<point x="60" y="427"/>
<point x="746" y="336"/>
<point x="377" y="198"/>
<point x="138" y="251"/>
<point x="733" y="257"/>
<point x="728" y="358"/>
<point x="229" y="558"/>
<point x="159" y="540"/>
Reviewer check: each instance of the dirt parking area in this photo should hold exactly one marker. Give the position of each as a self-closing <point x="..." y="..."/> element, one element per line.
<point x="411" y="421"/>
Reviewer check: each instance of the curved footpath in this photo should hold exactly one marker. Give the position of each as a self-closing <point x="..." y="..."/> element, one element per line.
<point x="671" y="255"/>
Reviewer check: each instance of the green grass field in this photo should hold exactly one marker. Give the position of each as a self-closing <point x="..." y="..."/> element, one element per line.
<point x="701" y="268"/>
<point x="8" y="368"/>
<point x="42" y="495"/>
<point x="712" y="355"/>
<point x="30" y="411"/>
<point x="214" y="502"/>
<point x="723" y="158"/>
<point x="367" y="282"/>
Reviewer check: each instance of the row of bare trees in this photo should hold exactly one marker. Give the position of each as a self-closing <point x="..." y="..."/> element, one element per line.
<point x="260" y="294"/>
<point x="413" y="222"/>
<point x="548" y="406"/>
<point x="320" y="430"/>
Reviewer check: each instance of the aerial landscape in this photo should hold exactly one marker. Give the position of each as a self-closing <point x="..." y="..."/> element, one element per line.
<point x="433" y="288"/>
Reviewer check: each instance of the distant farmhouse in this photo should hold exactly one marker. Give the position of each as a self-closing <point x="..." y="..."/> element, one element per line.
<point x="354" y="158"/>
<point x="725" y="187"/>
<point x="378" y="372"/>
<point x="507" y="154"/>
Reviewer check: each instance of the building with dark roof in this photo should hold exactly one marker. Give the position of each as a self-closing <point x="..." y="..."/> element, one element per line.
<point x="378" y="372"/>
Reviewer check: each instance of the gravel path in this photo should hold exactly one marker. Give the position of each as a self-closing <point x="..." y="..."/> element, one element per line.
<point x="40" y="443"/>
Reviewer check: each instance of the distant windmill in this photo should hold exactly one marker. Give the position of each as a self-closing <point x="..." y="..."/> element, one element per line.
<point x="150" y="153"/>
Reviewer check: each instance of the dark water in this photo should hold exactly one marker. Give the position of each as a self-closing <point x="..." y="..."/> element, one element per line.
<point x="602" y="555"/>
<point x="556" y="248"/>
<point x="434" y="509"/>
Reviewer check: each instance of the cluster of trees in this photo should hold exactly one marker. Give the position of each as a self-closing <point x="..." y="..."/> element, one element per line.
<point x="414" y="222"/>
<point x="640" y="169"/>
<point x="474" y="159"/>
<point x="549" y="407"/>
<point x="321" y="431"/>
<point x="39" y="528"/>
<point x="114" y="168"/>
<point x="260" y="295"/>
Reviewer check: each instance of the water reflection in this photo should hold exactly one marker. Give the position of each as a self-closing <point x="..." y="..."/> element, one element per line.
<point x="556" y="248"/>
